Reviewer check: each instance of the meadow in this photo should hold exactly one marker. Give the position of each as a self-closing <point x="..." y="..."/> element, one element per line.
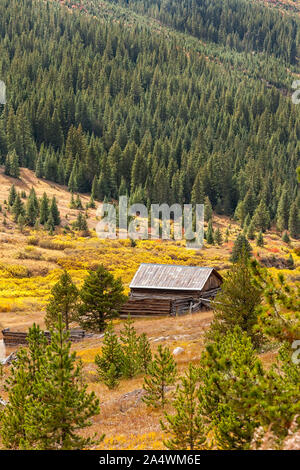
<point x="32" y="261"/>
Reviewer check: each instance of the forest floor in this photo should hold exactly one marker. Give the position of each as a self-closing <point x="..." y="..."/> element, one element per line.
<point x="31" y="263"/>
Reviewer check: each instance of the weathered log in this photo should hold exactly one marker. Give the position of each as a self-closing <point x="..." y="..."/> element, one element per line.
<point x="12" y="338"/>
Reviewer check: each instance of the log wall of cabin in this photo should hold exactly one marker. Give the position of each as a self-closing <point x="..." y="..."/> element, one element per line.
<point x="212" y="283"/>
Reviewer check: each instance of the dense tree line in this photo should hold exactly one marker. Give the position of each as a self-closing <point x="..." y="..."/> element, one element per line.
<point x="114" y="110"/>
<point x="239" y="24"/>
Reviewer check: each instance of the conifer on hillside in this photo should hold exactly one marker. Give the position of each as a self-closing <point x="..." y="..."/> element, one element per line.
<point x="32" y="208"/>
<point x="130" y="347"/>
<point x="161" y="373"/>
<point x="18" y="208"/>
<point x="294" y="221"/>
<point x="44" y="209"/>
<point x="185" y="429"/>
<point x="54" y="211"/>
<point x="110" y="362"/>
<point x="101" y="298"/>
<point x="63" y="301"/>
<point x="237" y="303"/>
<point x="240" y="248"/>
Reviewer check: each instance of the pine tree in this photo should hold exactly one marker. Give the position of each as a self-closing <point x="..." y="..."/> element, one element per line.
<point x="285" y="237"/>
<point x="131" y="359"/>
<point x="39" y="172"/>
<point x="72" y="184"/>
<point x="278" y="312"/>
<point x="80" y="223"/>
<point x="161" y="373"/>
<point x="110" y="362"/>
<point x="197" y="196"/>
<point x="78" y="203"/>
<point x="260" y="239"/>
<point x="62" y="407"/>
<point x="218" y="237"/>
<point x="290" y="262"/>
<point x="210" y="233"/>
<point x="50" y="224"/>
<point x="231" y="389"/>
<point x="281" y="404"/>
<point x="240" y="248"/>
<point x="261" y="217"/>
<point x="7" y="165"/>
<point x="20" y="387"/>
<point x="21" y="222"/>
<point x="111" y="379"/>
<point x="185" y="427"/>
<point x="282" y="216"/>
<point x="72" y="202"/>
<point x="207" y="209"/>
<point x="91" y="203"/>
<point x="12" y="195"/>
<point x="294" y="221"/>
<point x="95" y="188"/>
<point x="44" y="209"/>
<point x="247" y="222"/>
<point x="18" y="208"/>
<point x="144" y="352"/>
<point x="32" y="208"/>
<point x="237" y="303"/>
<point x="12" y="167"/>
<point x="63" y="300"/>
<point x="101" y="298"/>
<point x="227" y="235"/>
<point x="251" y="231"/>
<point x="55" y="212"/>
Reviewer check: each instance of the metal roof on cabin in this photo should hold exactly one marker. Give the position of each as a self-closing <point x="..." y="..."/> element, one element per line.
<point x="171" y="276"/>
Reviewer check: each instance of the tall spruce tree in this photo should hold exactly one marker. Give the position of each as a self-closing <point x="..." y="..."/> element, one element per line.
<point x="61" y="406"/>
<point x="278" y="315"/>
<point x="12" y="167"/>
<point x="208" y="211"/>
<point x="237" y="303"/>
<point x="18" y="208"/>
<point x="110" y="362"/>
<point x="261" y="217"/>
<point x="63" y="301"/>
<point x="185" y="429"/>
<point x="294" y="221"/>
<point x="240" y="248"/>
<point x="231" y="387"/>
<point x="54" y="211"/>
<point x="12" y="195"/>
<point x="161" y="374"/>
<point x="32" y="208"/>
<point x="251" y="231"/>
<point x="21" y="387"/>
<point x="80" y="223"/>
<point x="218" y="236"/>
<point x="260" y="239"/>
<point x="101" y="298"/>
<point x="210" y="233"/>
<point x="144" y="352"/>
<point x="282" y="217"/>
<point x="130" y="346"/>
<point x="44" y="209"/>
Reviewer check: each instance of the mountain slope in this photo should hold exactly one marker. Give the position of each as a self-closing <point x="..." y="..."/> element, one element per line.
<point x="103" y="106"/>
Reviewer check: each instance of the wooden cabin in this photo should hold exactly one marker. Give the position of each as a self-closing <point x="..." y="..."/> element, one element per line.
<point x="163" y="289"/>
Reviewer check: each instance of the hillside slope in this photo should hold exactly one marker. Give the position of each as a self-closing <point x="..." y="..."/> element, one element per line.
<point x="133" y="110"/>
